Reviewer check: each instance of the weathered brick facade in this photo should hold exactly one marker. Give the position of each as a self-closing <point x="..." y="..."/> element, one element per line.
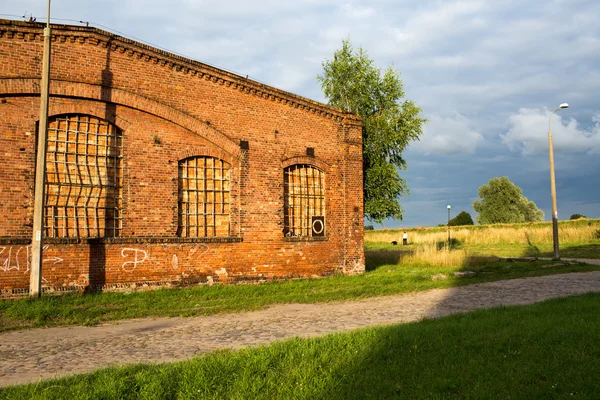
<point x="168" y="109"/>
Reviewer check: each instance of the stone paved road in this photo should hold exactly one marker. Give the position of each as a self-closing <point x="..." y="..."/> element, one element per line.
<point x="34" y="354"/>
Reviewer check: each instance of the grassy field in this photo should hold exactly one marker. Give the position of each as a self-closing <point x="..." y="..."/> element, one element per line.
<point x="579" y="238"/>
<point x="548" y="350"/>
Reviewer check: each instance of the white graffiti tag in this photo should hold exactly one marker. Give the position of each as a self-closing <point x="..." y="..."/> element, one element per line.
<point x="9" y="264"/>
<point x="18" y="258"/>
<point x="199" y="250"/>
<point x="139" y="256"/>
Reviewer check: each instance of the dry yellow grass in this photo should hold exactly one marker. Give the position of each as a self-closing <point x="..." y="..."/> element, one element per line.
<point x="494" y="234"/>
<point x="431" y="255"/>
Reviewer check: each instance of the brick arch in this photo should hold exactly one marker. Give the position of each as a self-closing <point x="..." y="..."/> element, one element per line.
<point x="207" y="152"/>
<point x="22" y="86"/>
<point x="322" y="165"/>
<point x="96" y="109"/>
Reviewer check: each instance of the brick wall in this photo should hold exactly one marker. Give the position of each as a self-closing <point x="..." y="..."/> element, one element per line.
<point x="169" y="108"/>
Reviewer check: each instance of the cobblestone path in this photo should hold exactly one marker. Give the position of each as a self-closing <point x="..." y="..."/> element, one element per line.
<point x="34" y="354"/>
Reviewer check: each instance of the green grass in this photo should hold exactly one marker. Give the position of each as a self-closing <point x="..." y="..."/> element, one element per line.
<point x="590" y="250"/>
<point x="548" y="350"/>
<point x="578" y="238"/>
<point x="383" y="277"/>
<point x="587" y="250"/>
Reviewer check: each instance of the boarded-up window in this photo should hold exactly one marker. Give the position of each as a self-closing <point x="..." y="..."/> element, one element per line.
<point x="204" y="205"/>
<point x="304" y="192"/>
<point x="84" y="178"/>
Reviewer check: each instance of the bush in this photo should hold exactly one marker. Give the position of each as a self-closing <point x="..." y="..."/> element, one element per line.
<point x="463" y="218"/>
<point x="369" y="228"/>
<point x="577" y="216"/>
<point x="596" y="234"/>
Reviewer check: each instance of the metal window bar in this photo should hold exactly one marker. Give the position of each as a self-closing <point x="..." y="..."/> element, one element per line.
<point x="204" y="187"/>
<point x="304" y="197"/>
<point x="83" y="191"/>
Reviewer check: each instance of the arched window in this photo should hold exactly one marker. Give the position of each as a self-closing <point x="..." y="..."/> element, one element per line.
<point x="84" y="178"/>
<point x="204" y="206"/>
<point x="304" y="201"/>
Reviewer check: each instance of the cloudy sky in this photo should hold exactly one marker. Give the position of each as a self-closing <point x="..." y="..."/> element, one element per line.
<point x="485" y="73"/>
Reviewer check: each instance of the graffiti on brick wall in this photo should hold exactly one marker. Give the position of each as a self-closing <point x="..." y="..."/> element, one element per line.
<point x="138" y="255"/>
<point x="198" y="250"/>
<point x="18" y="258"/>
<point x="133" y="257"/>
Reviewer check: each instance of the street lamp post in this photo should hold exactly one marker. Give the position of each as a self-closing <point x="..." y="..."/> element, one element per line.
<point x="553" y="184"/>
<point x="449" y="225"/>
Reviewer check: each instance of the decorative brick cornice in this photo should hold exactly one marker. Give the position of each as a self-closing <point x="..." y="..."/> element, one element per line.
<point x="93" y="36"/>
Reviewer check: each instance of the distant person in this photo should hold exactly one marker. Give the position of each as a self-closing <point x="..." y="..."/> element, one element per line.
<point x="404" y="238"/>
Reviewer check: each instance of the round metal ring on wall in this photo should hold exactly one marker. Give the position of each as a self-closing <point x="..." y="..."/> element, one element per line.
<point x="315" y="230"/>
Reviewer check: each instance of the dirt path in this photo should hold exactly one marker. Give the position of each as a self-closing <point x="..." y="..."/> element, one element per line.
<point x="34" y="354"/>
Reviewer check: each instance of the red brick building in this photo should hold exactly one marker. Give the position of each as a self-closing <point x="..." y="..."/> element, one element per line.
<point x="164" y="171"/>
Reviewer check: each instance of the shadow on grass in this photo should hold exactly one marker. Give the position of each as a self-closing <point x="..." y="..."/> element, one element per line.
<point x="377" y="258"/>
<point x="495" y="353"/>
<point x="591" y="250"/>
<point x="532" y="250"/>
<point x="454" y="244"/>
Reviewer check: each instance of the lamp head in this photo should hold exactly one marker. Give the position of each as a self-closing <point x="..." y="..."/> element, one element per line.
<point x="448" y="206"/>
<point x="563" y="105"/>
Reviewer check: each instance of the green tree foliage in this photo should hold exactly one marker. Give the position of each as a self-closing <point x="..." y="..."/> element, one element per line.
<point x="501" y="201"/>
<point x="577" y="216"/>
<point x="463" y="218"/>
<point x="353" y="83"/>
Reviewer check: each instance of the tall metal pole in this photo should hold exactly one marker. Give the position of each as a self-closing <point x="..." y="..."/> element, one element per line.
<point x="37" y="243"/>
<point x="448" y="225"/>
<point x="553" y="190"/>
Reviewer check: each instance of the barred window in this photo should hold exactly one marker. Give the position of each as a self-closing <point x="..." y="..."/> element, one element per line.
<point x="204" y="206"/>
<point x="84" y="178"/>
<point x="304" y="200"/>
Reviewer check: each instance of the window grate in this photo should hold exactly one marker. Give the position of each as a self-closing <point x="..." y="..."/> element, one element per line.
<point x="304" y="193"/>
<point x="84" y="191"/>
<point x="204" y="204"/>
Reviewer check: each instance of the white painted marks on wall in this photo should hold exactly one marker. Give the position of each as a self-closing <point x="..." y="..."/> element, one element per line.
<point x="18" y="258"/>
<point x="135" y="257"/>
<point x="138" y="255"/>
<point x="199" y="250"/>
